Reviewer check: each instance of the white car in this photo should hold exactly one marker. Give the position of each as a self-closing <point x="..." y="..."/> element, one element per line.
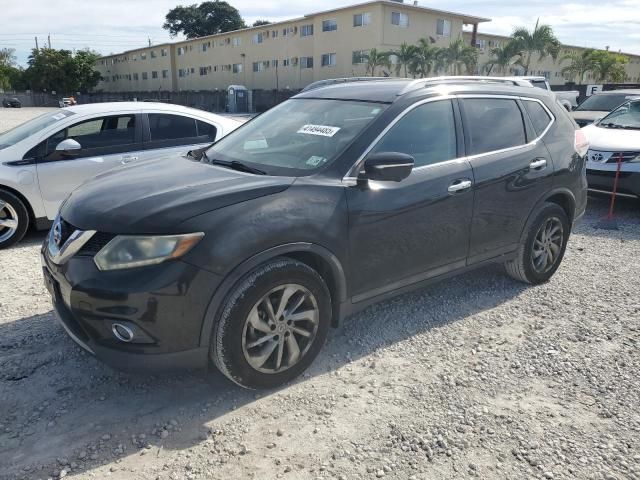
<point x="44" y="159"/>
<point x="615" y="137"/>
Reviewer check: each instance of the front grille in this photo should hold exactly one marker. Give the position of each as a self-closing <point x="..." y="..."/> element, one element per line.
<point x="66" y="229"/>
<point x="95" y="244"/>
<point x="626" y="156"/>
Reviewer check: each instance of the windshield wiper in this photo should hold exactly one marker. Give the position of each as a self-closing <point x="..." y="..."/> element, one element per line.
<point x="234" y="165"/>
<point x="617" y="125"/>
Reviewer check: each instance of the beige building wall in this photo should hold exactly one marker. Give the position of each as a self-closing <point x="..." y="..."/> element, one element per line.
<point x="273" y="56"/>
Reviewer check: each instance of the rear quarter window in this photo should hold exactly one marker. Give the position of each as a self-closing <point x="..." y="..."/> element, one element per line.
<point x="538" y="115"/>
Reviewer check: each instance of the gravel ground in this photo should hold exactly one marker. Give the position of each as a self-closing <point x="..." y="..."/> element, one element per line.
<point x="478" y="376"/>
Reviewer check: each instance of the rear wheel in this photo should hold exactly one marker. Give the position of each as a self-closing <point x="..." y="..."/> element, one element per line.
<point x="14" y="219"/>
<point x="540" y="255"/>
<point x="273" y="325"/>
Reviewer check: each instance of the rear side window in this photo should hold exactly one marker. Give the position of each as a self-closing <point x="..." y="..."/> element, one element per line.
<point x="493" y="124"/>
<point x="170" y="127"/>
<point x="427" y="133"/>
<point x="206" y="130"/>
<point x="538" y="115"/>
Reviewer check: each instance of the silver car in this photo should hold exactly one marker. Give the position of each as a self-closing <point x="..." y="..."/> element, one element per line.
<point x="44" y="159"/>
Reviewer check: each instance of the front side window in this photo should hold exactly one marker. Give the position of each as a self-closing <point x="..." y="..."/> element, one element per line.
<point x="298" y="136"/>
<point x="427" y="133"/>
<point x="493" y="124"/>
<point x="443" y="27"/>
<point x="539" y="116"/>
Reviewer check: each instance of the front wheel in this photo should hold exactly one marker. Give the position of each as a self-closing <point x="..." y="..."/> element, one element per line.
<point x="540" y="255"/>
<point x="14" y="219"/>
<point x="273" y="325"/>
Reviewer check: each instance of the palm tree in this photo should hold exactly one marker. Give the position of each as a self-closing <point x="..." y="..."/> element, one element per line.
<point x="404" y="56"/>
<point x="376" y="59"/>
<point x="581" y="63"/>
<point x="609" y="66"/>
<point x="502" y="58"/>
<point x="460" y="55"/>
<point x="424" y="58"/>
<point x="541" y="40"/>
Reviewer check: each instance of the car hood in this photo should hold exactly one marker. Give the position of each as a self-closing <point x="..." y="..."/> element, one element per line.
<point x="590" y="115"/>
<point x="157" y="195"/>
<point x="611" y="139"/>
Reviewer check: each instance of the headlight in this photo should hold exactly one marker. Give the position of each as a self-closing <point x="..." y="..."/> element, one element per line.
<point x="138" y="251"/>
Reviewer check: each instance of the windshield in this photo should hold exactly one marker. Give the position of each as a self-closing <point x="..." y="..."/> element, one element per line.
<point x="603" y="103"/>
<point x="24" y="130"/>
<point x="297" y="137"/>
<point x="626" y="115"/>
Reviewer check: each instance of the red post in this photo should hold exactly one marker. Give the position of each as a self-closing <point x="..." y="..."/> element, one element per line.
<point x="615" y="187"/>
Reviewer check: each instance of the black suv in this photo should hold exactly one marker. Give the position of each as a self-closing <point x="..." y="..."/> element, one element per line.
<point x="244" y="254"/>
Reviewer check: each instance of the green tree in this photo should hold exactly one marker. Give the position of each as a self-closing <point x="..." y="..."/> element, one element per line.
<point x="376" y="59"/>
<point x="580" y="64"/>
<point x="541" y="40"/>
<point x="609" y="66"/>
<point x="259" y="23"/>
<point x="502" y="58"/>
<point x="7" y="68"/>
<point x="404" y="57"/>
<point x="424" y="58"/>
<point x="461" y="57"/>
<point x="61" y="71"/>
<point x="208" y="18"/>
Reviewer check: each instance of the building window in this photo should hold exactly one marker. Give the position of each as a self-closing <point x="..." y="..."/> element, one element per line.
<point x="154" y="74"/>
<point x="443" y="28"/>
<point x="328" y="60"/>
<point x="236" y="41"/>
<point x="257" y="38"/>
<point x="163" y="52"/>
<point x="306" y="62"/>
<point x="286" y="62"/>
<point x="361" y="19"/>
<point x="135" y="76"/>
<point x="306" y="30"/>
<point x="481" y="44"/>
<point x="237" y="68"/>
<point x="258" y="66"/>
<point x="180" y="50"/>
<point x="143" y="56"/>
<point x="153" y="54"/>
<point x="274" y="63"/>
<point x="400" y="19"/>
<point x="145" y="75"/>
<point x="183" y="72"/>
<point x="329" y="26"/>
<point x="165" y="73"/>
<point x="204" y="70"/>
<point x="274" y="33"/>
<point x="204" y="47"/>
<point x="359" y="56"/>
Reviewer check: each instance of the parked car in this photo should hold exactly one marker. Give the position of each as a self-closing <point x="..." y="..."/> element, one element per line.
<point x="616" y="136"/>
<point x="335" y="199"/>
<point x="44" y="159"/>
<point x="568" y="99"/>
<point x="598" y="105"/>
<point x="11" y="103"/>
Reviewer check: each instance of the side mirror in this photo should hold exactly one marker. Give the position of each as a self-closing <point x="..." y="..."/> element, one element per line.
<point x="388" y="166"/>
<point x="68" y="147"/>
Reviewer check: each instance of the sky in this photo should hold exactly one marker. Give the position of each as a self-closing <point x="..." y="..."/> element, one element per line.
<point x="116" y="25"/>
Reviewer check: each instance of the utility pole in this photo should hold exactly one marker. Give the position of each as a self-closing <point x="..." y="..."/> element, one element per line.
<point x="36" y="44"/>
<point x="149" y="41"/>
<point x="49" y="40"/>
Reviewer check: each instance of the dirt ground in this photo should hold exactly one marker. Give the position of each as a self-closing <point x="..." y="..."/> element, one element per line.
<point x="475" y="377"/>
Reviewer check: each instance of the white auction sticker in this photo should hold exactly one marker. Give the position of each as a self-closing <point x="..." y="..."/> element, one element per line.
<point x="58" y="116"/>
<point x="322" y="130"/>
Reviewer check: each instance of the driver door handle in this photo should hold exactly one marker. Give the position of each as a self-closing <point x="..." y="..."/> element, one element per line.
<point x="538" y="164"/>
<point x="128" y="158"/>
<point x="459" y="186"/>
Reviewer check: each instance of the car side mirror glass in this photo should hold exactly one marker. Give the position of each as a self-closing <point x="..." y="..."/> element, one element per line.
<point x="388" y="166"/>
<point x="69" y="146"/>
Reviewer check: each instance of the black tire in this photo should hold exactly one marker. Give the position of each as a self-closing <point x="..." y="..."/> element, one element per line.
<point x="22" y="216"/>
<point x="522" y="266"/>
<point x="226" y="349"/>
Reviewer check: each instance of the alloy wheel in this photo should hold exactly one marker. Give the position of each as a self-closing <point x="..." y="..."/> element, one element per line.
<point x="547" y="245"/>
<point x="280" y="328"/>
<point x="8" y="221"/>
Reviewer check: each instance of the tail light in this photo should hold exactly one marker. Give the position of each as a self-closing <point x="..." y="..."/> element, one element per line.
<point x="580" y="143"/>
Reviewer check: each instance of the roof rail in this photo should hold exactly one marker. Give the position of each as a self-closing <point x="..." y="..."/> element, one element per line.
<point x="334" y="81"/>
<point x="426" y="82"/>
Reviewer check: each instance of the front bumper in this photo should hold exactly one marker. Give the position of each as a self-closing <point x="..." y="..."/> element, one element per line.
<point x="602" y="180"/>
<point x="164" y="305"/>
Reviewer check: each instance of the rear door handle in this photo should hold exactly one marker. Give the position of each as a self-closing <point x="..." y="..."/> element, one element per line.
<point x="459" y="186"/>
<point x="128" y="158"/>
<point x="538" y="164"/>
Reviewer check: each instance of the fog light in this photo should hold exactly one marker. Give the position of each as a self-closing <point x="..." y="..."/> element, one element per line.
<point x="122" y="332"/>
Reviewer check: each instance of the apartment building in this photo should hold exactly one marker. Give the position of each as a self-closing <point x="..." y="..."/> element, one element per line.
<point x="547" y="67"/>
<point x="293" y="53"/>
<point x="283" y="55"/>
